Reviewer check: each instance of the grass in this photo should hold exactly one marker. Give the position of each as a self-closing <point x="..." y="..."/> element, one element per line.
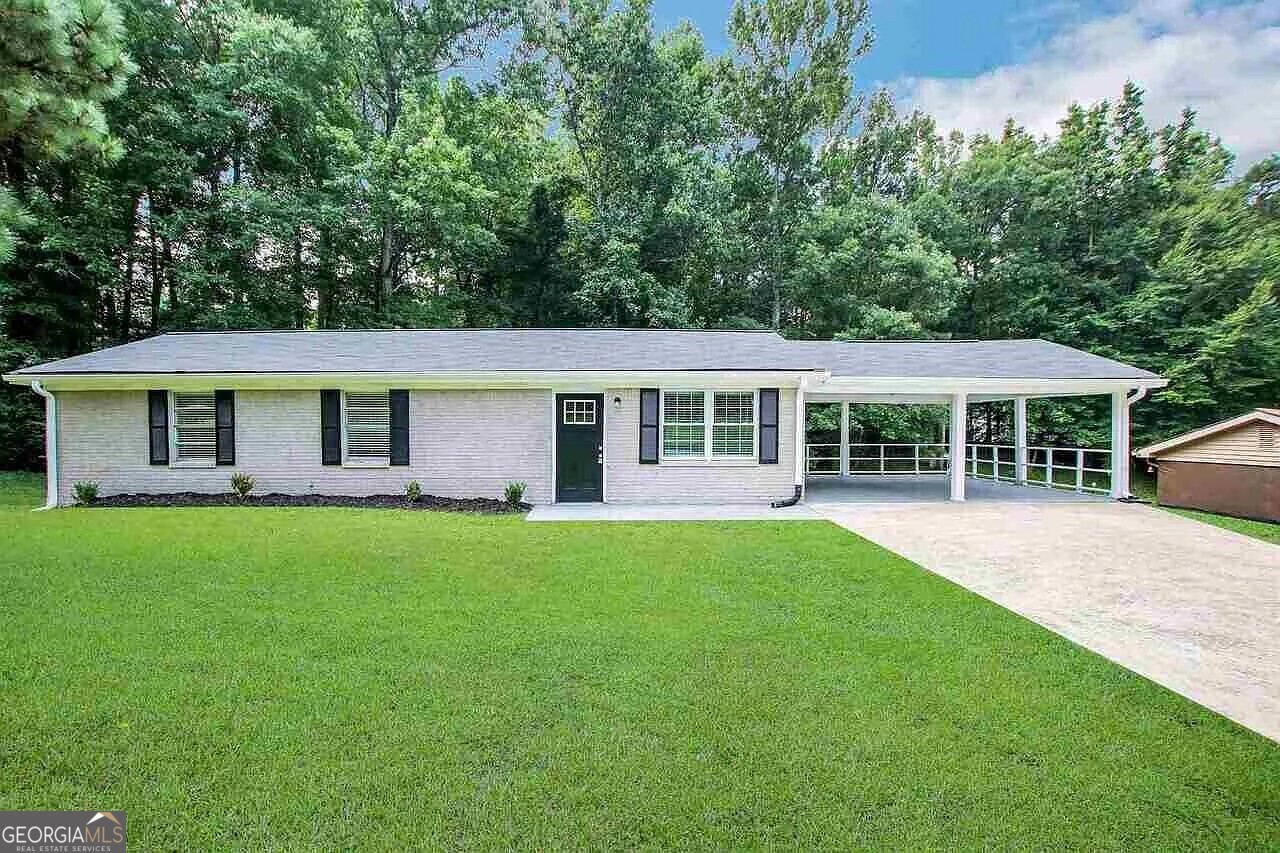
<point x="1264" y="530"/>
<point x="253" y="678"/>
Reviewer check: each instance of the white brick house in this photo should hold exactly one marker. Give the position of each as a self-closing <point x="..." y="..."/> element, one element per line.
<point x="579" y="414"/>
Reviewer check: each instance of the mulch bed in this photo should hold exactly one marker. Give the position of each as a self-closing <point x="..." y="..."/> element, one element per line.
<point x="429" y="502"/>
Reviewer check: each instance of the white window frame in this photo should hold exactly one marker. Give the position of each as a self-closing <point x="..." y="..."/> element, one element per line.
<point x="565" y="410"/>
<point x="174" y="462"/>
<point x="365" y="461"/>
<point x="708" y="425"/>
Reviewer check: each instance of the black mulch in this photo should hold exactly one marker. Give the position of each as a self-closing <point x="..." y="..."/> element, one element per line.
<point x="274" y="499"/>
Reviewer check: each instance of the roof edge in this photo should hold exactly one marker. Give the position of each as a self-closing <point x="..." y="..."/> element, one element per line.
<point x="1204" y="432"/>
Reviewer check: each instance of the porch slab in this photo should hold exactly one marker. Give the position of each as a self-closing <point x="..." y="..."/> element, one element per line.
<point x="669" y="512"/>
<point x="931" y="488"/>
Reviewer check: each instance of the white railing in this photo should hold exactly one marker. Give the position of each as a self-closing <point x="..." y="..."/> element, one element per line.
<point x="883" y="459"/>
<point x="1075" y="468"/>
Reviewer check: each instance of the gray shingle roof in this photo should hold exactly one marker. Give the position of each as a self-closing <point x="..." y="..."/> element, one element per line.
<point x="441" y="350"/>
<point x="464" y="350"/>
<point x="1018" y="359"/>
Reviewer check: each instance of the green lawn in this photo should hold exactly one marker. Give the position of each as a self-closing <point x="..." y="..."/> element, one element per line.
<point x="256" y="678"/>
<point x="1264" y="530"/>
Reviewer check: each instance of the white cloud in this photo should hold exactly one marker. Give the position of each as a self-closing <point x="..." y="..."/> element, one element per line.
<point x="1224" y="63"/>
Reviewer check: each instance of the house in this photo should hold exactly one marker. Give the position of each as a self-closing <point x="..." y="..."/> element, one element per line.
<point x="1231" y="467"/>
<point x="618" y="415"/>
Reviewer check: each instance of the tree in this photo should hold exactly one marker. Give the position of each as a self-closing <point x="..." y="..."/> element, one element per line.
<point x="59" y="61"/>
<point x="788" y="91"/>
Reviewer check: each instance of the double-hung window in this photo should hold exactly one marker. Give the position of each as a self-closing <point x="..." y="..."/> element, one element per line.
<point x="728" y="416"/>
<point x="195" y="428"/>
<point x="366" y="434"/>
<point x="684" y="424"/>
<point x="733" y="424"/>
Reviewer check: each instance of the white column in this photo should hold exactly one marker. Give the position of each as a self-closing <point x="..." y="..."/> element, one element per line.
<point x="844" y="439"/>
<point x="800" y="436"/>
<point x="1120" y="444"/>
<point x="1020" y="439"/>
<point x="959" y="422"/>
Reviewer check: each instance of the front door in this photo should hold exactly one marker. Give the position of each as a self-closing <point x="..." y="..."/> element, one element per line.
<point x="579" y="447"/>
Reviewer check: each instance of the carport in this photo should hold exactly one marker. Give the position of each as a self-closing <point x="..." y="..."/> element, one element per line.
<point x="957" y="375"/>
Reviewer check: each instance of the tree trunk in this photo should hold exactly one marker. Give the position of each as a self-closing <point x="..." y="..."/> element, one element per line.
<point x="299" y="302"/>
<point x="156" y="281"/>
<point x="126" y="287"/>
<point x="166" y="255"/>
<point x="386" y="267"/>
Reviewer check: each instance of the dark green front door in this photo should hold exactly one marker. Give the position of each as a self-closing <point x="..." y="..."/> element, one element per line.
<point x="579" y="447"/>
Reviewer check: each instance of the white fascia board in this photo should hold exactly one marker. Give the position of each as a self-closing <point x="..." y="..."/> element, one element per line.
<point x="573" y="379"/>
<point x="1207" y="431"/>
<point x="932" y="389"/>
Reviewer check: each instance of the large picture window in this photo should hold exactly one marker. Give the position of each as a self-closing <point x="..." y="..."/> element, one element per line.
<point x="367" y="428"/>
<point x="195" y="428"/>
<point x="729" y="417"/>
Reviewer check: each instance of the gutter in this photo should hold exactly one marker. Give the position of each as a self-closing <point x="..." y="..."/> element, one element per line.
<point x="50" y="445"/>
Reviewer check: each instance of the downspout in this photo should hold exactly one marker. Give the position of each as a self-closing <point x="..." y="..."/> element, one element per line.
<point x="1129" y="401"/>
<point x="50" y="445"/>
<point x="799" y="450"/>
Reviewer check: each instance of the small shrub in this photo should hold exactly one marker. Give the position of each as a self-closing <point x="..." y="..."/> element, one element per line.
<point x="514" y="492"/>
<point x="242" y="484"/>
<point x="86" y="492"/>
<point x="413" y="491"/>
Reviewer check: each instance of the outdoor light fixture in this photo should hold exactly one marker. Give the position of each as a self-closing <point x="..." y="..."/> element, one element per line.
<point x="617" y="402"/>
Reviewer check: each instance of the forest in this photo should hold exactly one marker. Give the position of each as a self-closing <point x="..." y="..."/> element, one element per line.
<point x="243" y="164"/>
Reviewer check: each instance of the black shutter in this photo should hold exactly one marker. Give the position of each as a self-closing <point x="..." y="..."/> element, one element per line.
<point x="158" y="426"/>
<point x="768" y="426"/>
<point x="330" y="428"/>
<point x="648" y="426"/>
<point x="224" y="407"/>
<point x="399" y="401"/>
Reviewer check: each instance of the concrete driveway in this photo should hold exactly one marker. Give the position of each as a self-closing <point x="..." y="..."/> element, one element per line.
<point x="1191" y="606"/>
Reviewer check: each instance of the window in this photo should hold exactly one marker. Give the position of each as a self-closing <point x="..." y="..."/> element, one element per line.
<point x="732" y="419"/>
<point x="195" y="435"/>
<point x="367" y="433"/>
<point x="580" y="412"/>
<point x="733" y="424"/>
<point x="684" y="424"/>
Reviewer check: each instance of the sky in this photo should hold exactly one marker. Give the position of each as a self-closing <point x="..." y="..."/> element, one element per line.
<point x="974" y="63"/>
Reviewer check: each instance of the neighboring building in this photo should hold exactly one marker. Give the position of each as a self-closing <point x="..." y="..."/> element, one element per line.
<point x="579" y="414"/>
<point x="1232" y="467"/>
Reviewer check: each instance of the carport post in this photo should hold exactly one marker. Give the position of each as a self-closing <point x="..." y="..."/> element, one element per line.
<point x="1120" y="444"/>
<point x="844" y="438"/>
<point x="959" y="424"/>
<point x="1020" y="439"/>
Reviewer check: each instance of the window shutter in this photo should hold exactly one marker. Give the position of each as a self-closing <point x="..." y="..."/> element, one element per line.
<point x="224" y="404"/>
<point x="158" y="426"/>
<point x="330" y="427"/>
<point x="399" y="403"/>
<point x="649" y="426"/>
<point x="768" y="426"/>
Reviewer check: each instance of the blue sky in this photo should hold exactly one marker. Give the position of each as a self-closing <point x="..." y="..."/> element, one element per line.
<point x="922" y="38"/>
<point x="972" y="63"/>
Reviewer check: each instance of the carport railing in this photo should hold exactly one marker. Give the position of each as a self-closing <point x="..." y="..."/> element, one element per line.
<point x="883" y="459"/>
<point x="1081" y="469"/>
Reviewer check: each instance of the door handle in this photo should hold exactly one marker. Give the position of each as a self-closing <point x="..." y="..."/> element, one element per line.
<point x="599" y="454"/>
